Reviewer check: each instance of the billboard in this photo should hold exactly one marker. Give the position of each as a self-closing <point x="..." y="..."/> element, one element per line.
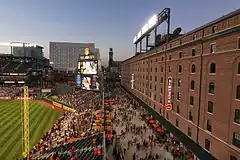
<point x="78" y="79"/>
<point x="87" y="55"/>
<point x="90" y="82"/>
<point x="88" y="67"/>
<point x="87" y="83"/>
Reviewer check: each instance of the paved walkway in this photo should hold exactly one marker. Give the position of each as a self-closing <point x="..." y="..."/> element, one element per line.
<point x="131" y="136"/>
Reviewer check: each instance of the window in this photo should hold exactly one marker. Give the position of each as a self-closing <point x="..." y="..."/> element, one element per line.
<point x="211" y="88"/>
<point x="161" y="80"/>
<point x="213" y="48"/>
<point x="238" y="43"/>
<point x="155" y="98"/>
<point x="161" y="90"/>
<point x="161" y="69"/>
<point x="209" y="125"/>
<point x="180" y="54"/>
<point x="238" y="69"/>
<point x="189" y="132"/>
<point x="162" y="58"/>
<point x="179" y="69"/>
<point x="236" y="139"/>
<point x="155" y="88"/>
<point x="180" y="41"/>
<point x="170" y="57"/>
<point x="190" y="116"/>
<point x="160" y="99"/>
<point x="156" y="69"/>
<point x="167" y="116"/>
<point x="207" y="144"/>
<point x="155" y="78"/>
<point x="212" y="68"/>
<point x="179" y="82"/>
<point x="233" y="157"/>
<point x="194" y="36"/>
<point x="237" y="116"/>
<point x="238" y="92"/>
<point x="193" y="52"/>
<point x="160" y="110"/>
<point x="191" y="100"/>
<point x="210" y="107"/>
<point x="192" y="84"/>
<point x="193" y="68"/>
<point x="214" y="28"/>
<point x="169" y="68"/>
<point x="178" y="110"/>
<point x="178" y="96"/>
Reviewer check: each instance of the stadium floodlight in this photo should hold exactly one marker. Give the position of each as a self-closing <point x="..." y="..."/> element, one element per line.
<point x="152" y="21"/>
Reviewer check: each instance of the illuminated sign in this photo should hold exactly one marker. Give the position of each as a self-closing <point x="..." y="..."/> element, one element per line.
<point x="18" y="44"/>
<point x="151" y="23"/>
<point x="168" y="106"/>
<point x="88" y="67"/>
<point x="132" y="81"/>
<point x="87" y="54"/>
<point x="169" y="100"/>
<point x="87" y="83"/>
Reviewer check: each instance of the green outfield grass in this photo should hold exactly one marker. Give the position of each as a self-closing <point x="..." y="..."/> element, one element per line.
<point x="41" y="120"/>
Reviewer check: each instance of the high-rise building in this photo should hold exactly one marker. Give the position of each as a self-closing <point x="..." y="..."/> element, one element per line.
<point x="193" y="82"/>
<point x="64" y="55"/>
<point x="23" y="49"/>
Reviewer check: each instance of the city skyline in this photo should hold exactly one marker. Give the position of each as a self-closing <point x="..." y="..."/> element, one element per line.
<point x="108" y="24"/>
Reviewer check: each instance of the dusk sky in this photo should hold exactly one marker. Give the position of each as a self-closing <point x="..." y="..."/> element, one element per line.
<point x="107" y="23"/>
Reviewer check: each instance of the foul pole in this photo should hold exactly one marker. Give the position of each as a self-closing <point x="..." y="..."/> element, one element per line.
<point x="25" y="122"/>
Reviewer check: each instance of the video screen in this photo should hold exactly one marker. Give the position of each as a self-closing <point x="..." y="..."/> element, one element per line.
<point x="78" y="80"/>
<point x="95" y="83"/>
<point x="87" y="83"/>
<point x="88" y="67"/>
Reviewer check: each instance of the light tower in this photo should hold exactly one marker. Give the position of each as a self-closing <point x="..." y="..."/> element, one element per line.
<point x="25" y="122"/>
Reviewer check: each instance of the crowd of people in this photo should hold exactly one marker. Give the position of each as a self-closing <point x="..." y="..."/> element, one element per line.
<point x="71" y="126"/>
<point x="138" y="139"/>
<point x="78" y="98"/>
<point x="9" y="91"/>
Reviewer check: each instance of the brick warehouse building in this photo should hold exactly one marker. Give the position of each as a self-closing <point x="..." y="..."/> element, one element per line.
<point x="204" y="65"/>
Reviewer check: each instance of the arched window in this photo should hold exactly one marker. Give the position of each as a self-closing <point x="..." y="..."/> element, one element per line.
<point x="238" y="92"/>
<point x="180" y="69"/>
<point x="193" y="68"/>
<point x="238" y="69"/>
<point x="211" y="88"/>
<point x="212" y="68"/>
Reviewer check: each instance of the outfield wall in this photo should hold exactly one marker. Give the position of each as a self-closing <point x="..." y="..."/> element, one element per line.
<point x="59" y="104"/>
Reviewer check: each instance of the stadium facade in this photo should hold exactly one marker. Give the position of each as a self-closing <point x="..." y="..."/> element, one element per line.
<point x="64" y="55"/>
<point x="199" y="74"/>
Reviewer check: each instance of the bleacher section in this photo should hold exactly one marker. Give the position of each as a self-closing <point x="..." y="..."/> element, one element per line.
<point x="81" y="149"/>
<point x="24" y="67"/>
<point x="3" y="62"/>
<point x="10" y="68"/>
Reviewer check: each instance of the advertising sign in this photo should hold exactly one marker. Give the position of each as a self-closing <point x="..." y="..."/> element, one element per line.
<point x="87" y="83"/>
<point x="88" y="67"/>
<point x="168" y="106"/>
<point x="88" y="54"/>
<point x="78" y="79"/>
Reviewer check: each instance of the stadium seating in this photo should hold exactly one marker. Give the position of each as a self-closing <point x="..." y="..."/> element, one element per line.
<point x="24" y="67"/>
<point x="10" y="68"/>
<point x="81" y="149"/>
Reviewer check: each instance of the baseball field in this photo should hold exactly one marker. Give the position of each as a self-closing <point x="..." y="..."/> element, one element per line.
<point x="42" y="117"/>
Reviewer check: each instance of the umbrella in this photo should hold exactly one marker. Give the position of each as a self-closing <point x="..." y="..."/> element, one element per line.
<point x="155" y="125"/>
<point x="97" y="127"/>
<point x="108" y="121"/>
<point x="152" y="121"/>
<point x="97" y="121"/>
<point x="108" y="127"/>
<point x="148" y="117"/>
<point x="160" y="129"/>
